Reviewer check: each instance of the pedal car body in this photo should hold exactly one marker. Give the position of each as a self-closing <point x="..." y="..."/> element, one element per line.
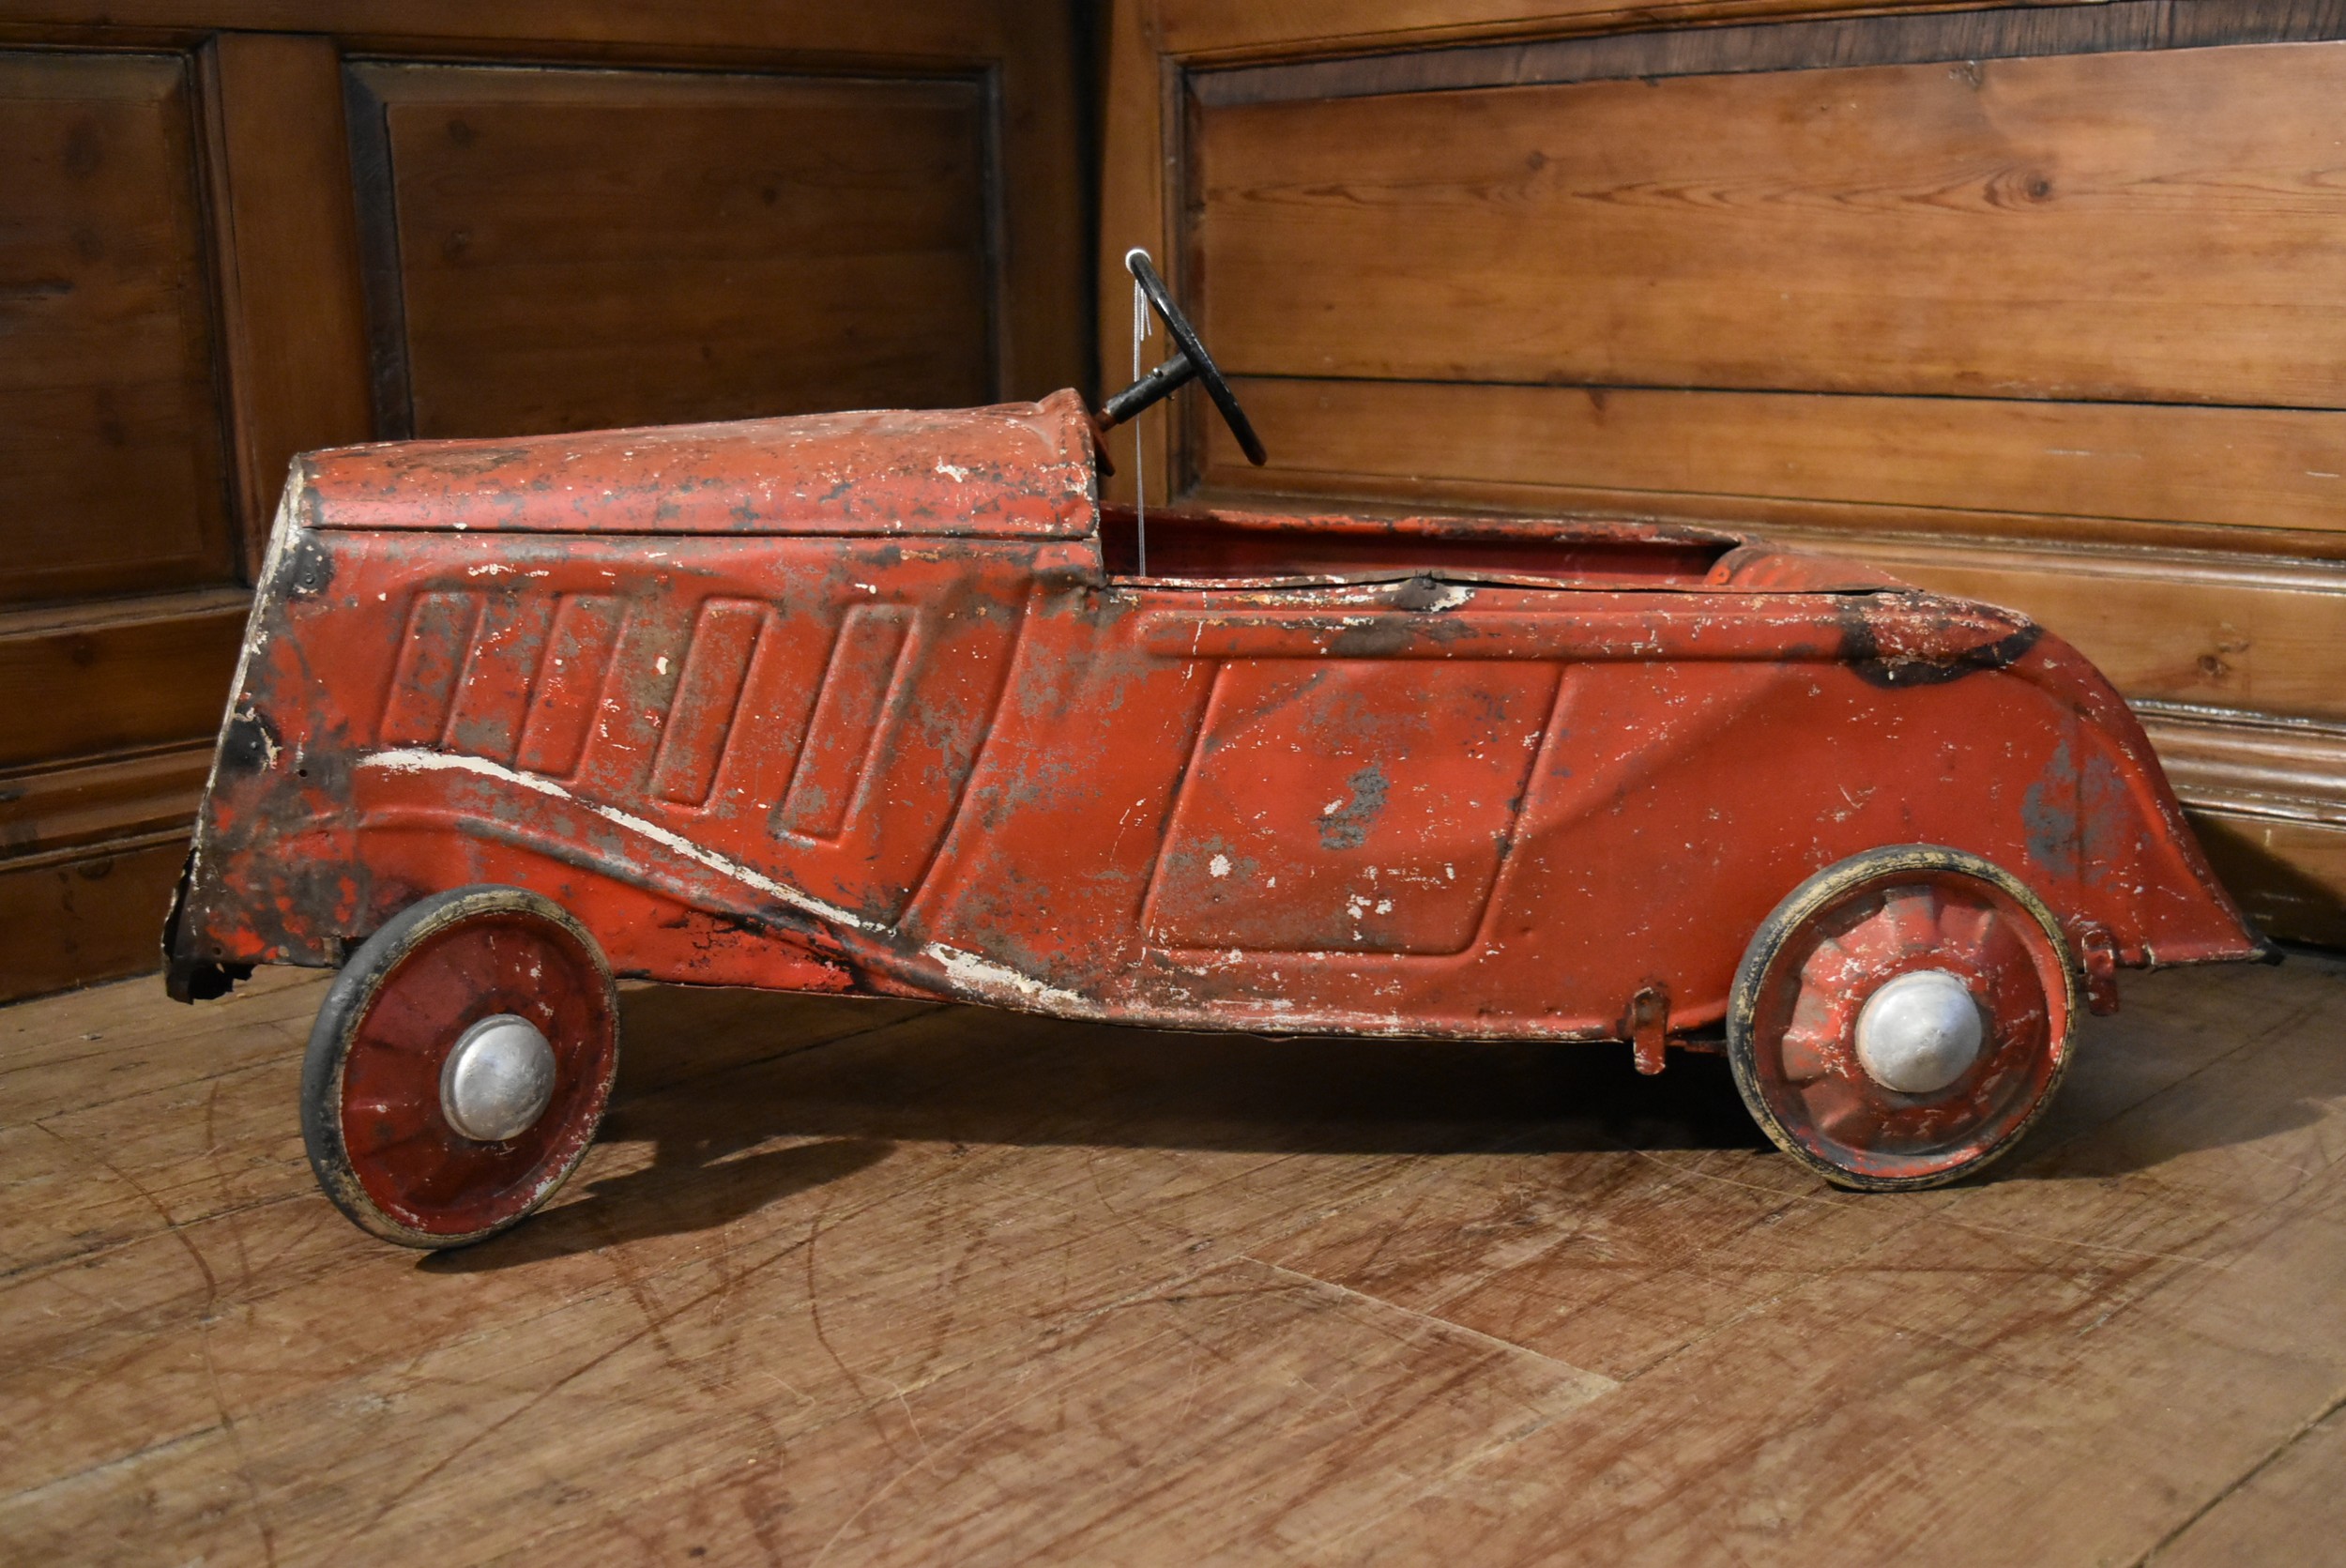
<point x="877" y="703"/>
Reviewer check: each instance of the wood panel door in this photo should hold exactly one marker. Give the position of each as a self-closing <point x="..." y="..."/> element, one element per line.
<point x="558" y="249"/>
<point x="223" y="243"/>
<point x="2038" y="304"/>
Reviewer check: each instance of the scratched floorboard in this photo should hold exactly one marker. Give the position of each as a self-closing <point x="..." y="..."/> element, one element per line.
<point x="865" y="1282"/>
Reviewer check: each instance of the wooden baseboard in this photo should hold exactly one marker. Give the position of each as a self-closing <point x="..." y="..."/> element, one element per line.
<point x="2268" y="796"/>
<point x="91" y="851"/>
<point x="2289" y="875"/>
<point x="75" y="920"/>
<point x="2251" y="764"/>
<point x="86" y="681"/>
<point x="112" y="800"/>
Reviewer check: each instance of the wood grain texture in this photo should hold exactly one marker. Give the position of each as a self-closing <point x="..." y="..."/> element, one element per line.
<point x="2252" y="762"/>
<point x="2291" y="1510"/>
<point x="805" y="207"/>
<point x="945" y="30"/>
<point x="1133" y="191"/>
<point x="838" y="1284"/>
<point x="2231" y="468"/>
<point x="144" y="674"/>
<point x="1953" y="1325"/>
<point x="1043" y="177"/>
<point x="1889" y="37"/>
<point x="77" y="918"/>
<point x="2150" y="227"/>
<point x="109" y="433"/>
<point x="2170" y="626"/>
<point x="132" y="795"/>
<point x="294" y="317"/>
<point x="2288" y="872"/>
<point x="580" y="250"/>
<point x="1211" y="29"/>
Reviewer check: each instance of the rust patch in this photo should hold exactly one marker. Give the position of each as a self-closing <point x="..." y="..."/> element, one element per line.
<point x="1346" y="826"/>
<point x="1647" y="1026"/>
<point x="1897" y="641"/>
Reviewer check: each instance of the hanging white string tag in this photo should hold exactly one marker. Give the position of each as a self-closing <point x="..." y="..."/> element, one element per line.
<point x="1140" y="444"/>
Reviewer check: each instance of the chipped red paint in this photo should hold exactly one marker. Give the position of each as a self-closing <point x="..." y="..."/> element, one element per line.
<point x="864" y="703"/>
<point x="1816" y="1098"/>
<point x="1019" y="468"/>
<point x="411" y="1166"/>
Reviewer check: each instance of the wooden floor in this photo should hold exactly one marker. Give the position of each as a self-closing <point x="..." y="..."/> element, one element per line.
<point x="856" y="1283"/>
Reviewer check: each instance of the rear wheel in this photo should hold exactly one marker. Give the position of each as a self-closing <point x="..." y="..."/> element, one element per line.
<point x="460" y="1066"/>
<point x="1902" y="1018"/>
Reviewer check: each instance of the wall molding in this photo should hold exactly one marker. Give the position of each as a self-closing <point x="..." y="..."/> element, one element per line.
<point x="80" y="808"/>
<point x="2251" y="764"/>
<point x="1788" y="43"/>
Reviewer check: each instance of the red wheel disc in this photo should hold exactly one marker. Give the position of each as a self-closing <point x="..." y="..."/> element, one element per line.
<point x="492" y="951"/>
<point x="1801" y="1063"/>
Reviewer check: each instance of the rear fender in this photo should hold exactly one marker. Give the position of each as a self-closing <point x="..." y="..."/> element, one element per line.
<point x="2106" y="841"/>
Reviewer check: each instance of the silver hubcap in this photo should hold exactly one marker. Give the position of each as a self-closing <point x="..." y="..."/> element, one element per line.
<point x="498" y="1079"/>
<point x="1920" y="1033"/>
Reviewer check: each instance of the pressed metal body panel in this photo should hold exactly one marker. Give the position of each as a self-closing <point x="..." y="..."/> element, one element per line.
<point x="861" y="705"/>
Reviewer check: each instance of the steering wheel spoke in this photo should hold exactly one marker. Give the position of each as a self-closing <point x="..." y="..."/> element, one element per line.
<point x="1190" y="362"/>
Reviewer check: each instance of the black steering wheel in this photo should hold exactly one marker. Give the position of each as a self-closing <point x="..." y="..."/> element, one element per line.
<point x="1190" y="362"/>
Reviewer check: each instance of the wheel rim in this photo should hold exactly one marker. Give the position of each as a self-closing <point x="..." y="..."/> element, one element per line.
<point x="1888" y="941"/>
<point x="412" y="1163"/>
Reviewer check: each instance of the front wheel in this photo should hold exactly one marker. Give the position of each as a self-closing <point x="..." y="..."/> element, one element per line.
<point x="460" y="1066"/>
<point x="1902" y="1017"/>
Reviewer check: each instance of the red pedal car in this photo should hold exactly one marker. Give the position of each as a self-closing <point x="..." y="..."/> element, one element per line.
<point x="885" y="703"/>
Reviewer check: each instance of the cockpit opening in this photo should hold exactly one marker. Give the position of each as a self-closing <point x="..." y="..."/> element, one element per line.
<point x="1219" y="545"/>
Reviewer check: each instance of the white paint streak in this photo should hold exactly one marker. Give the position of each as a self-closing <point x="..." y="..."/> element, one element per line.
<point x="442" y="762"/>
<point x="987" y="977"/>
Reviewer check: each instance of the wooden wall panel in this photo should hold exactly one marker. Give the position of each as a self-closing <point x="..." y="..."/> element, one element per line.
<point x="147" y="674"/>
<point x="109" y="441"/>
<point x="1216" y="29"/>
<point x="136" y="795"/>
<point x="75" y="919"/>
<point x="2239" y="468"/>
<point x="2157" y="228"/>
<point x="578" y="249"/>
<point x="294" y="316"/>
<point x="2033" y="303"/>
<point x="825" y="32"/>
<point x="585" y="212"/>
<point x="2286" y="868"/>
